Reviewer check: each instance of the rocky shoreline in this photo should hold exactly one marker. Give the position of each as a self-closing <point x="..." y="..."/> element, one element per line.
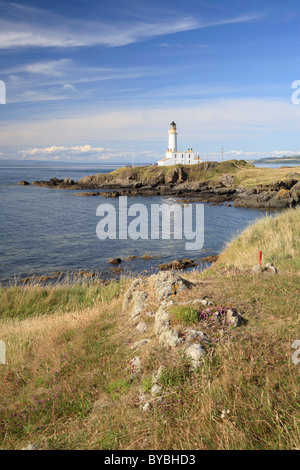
<point x="177" y="183"/>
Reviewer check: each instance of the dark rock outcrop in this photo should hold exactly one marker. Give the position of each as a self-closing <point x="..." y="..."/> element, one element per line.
<point x="178" y="264"/>
<point x="198" y="184"/>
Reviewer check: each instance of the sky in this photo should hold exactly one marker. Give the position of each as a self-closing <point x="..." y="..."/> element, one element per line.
<point x="97" y="81"/>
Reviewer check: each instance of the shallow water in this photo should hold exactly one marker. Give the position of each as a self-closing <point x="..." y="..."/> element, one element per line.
<point x="47" y="230"/>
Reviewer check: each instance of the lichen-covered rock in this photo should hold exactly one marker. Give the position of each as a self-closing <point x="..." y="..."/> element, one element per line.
<point x="128" y="294"/>
<point x="162" y="319"/>
<point x="135" y="365"/>
<point x="233" y="318"/>
<point x="168" y="283"/>
<point x="192" y="335"/>
<point x="196" y="353"/>
<point x="270" y="268"/>
<point x="170" y="338"/>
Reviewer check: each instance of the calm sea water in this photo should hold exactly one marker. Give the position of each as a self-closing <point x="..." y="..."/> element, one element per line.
<point x="46" y="230"/>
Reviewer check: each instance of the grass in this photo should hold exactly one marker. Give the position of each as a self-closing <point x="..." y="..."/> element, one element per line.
<point x="245" y="175"/>
<point x="25" y="301"/>
<point x="278" y="239"/>
<point x="185" y="314"/>
<point x="68" y="383"/>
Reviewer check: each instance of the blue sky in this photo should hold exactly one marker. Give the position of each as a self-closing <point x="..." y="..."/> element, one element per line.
<point x="99" y="81"/>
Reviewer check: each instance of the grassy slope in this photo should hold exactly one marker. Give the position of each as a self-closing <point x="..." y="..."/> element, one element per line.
<point x="68" y="384"/>
<point x="246" y="175"/>
<point x="278" y="239"/>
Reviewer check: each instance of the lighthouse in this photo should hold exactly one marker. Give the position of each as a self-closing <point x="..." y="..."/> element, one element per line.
<point x="172" y="138"/>
<point x="173" y="156"/>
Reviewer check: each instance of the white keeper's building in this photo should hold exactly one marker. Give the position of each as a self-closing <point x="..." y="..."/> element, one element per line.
<point x="173" y="157"/>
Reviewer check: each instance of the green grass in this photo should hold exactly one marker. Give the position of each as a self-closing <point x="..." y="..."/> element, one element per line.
<point x="26" y="301"/>
<point x="245" y="174"/>
<point x="68" y="383"/>
<point x="185" y="314"/>
<point x="52" y="391"/>
<point x="276" y="236"/>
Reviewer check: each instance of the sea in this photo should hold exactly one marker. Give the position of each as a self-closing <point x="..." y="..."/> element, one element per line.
<point x="46" y="231"/>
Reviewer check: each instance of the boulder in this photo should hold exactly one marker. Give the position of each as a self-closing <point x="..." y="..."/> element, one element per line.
<point x="209" y="259"/>
<point x="115" y="261"/>
<point x="196" y="353"/>
<point x="178" y="264"/>
<point x="175" y="176"/>
<point x="170" y="339"/>
<point x="168" y="283"/>
<point x="135" y="365"/>
<point x="227" y="180"/>
<point x="233" y="318"/>
<point x="68" y="181"/>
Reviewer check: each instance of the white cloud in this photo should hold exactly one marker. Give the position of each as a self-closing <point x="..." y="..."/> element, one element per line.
<point x="225" y="119"/>
<point x="29" y="29"/>
<point x="68" y="87"/>
<point x="202" y="126"/>
<point x="53" y="68"/>
<point x="85" y="152"/>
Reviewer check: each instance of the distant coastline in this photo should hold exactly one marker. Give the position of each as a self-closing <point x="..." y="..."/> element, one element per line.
<point x="285" y="160"/>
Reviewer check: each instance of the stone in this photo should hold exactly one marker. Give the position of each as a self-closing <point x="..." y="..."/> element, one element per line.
<point x="139" y="303"/>
<point x="141" y="327"/>
<point x="178" y="265"/>
<point x="68" y="181"/>
<point x="227" y="180"/>
<point x="170" y="338"/>
<point x="140" y="344"/>
<point x="233" y="318"/>
<point x="2" y="352"/>
<point x="146" y="407"/>
<point x="30" y="447"/>
<point x="162" y="319"/>
<point x="156" y="375"/>
<point x="168" y="283"/>
<point x="115" y="261"/>
<point x="150" y="314"/>
<point x="135" y="365"/>
<point x="195" y="352"/>
<point x="129" y="293"/>
<point x="199" y="301"/>
<point x="270" y="268"/>
<point x="194" y="334"/>
<point x="156" y="389"/>
<point x="209" y="259"/>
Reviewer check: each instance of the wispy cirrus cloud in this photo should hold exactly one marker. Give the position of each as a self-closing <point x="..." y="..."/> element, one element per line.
<point x="23" y="27"/>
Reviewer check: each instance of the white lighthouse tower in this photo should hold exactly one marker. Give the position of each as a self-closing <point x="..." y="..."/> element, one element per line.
<point x="173" y="156"/>
<point x="172" y="138"/>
